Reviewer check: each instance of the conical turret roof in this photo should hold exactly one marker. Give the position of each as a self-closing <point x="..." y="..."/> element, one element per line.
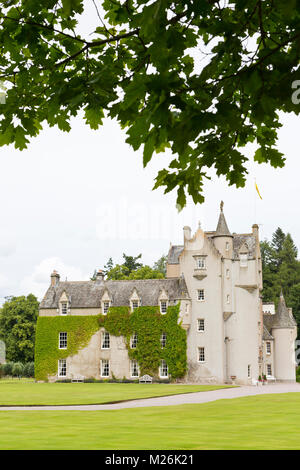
<point x="283" y="318"/>
<point x="222" y="228"/>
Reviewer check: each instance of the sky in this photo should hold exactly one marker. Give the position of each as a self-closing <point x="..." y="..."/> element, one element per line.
<point x="73" y="200"/>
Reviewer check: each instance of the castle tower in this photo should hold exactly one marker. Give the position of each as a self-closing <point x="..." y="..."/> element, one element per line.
<point x="222" y="236"/>
<point x="284" y="332"/>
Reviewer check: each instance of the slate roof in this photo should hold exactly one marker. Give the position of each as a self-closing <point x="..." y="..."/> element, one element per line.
<point x="174" y="252"/>
<point x="282" y="318"/>
<point x="266" y="334"/>
<point x="222" y="228"/>
<point x="239" y="240"/>
<point x="88" y="294"/>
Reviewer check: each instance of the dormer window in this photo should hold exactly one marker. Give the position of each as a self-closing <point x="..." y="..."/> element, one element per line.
<point x="163" y="307"/>
<point x="201" y="262"/>
<point x="105" y="307"/>
<point x="64" y="308"/>
<point x="134" y="304"/>
<point x="243" y="260"/>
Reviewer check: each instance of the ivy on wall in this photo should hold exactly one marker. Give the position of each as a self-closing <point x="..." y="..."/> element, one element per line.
<point x="147" y="322"/>
<point x="80" y="329"/>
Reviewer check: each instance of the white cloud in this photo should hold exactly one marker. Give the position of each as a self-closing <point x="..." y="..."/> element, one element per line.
<point x="38" y="282"/>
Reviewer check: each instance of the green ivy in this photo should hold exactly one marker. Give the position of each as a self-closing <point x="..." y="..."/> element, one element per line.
<point x="147" y="322"/>
<point x="80" y="329"/>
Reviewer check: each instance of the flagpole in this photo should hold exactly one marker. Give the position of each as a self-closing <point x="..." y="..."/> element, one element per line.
<point x="254" y="194"/>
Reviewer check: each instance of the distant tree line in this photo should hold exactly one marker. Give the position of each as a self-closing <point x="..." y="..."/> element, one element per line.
<point x="281" y="270"/>
<point x="133" y="269"/>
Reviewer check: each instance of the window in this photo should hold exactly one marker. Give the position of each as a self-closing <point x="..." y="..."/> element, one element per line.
<point x="63" y="340"/>
<point x="133" y="341"/>
<point x="201" y="262"/>
<point x="244" y="261"/>
<point x="200" y="294"/>
<point x="200" y="324"/>
<point x="64" y="308"/>
<point x="163" y="306"/>
<point x="105" y="307"/>
<point x="134" y="368"/>
<point x="227" y="246"/>
<point x="134" y="304"/>
<point x="268" y="347"/>
<point x="105" y="340"/>
<point x="104" y="368"/>
<point x="249" y="371"/>
<point x="227" y="273"/>
<point x="269" y="369"/>
<point x="228" y="299"/>
<point x="163" y="370"/>
<point x="163" y="340"/>
<point x="201" y="354"/>
<point x="62" y="368"/>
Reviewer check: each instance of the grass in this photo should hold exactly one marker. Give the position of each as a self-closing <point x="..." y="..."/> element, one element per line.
<point x="29" y="393"/>
<point x="260" y="422"/>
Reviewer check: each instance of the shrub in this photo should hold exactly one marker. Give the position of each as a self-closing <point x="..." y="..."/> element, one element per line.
<point x="7" y="368"/>
<point x="18" y="369"/>
<point x="29" y="369"/>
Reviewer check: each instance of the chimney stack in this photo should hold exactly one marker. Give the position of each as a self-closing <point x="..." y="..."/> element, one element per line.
<point x="186" y="233"/>
<point x="100" y="276"/>
<point x="55" y="277"/>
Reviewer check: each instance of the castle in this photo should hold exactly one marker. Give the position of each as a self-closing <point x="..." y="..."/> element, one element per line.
<point x="216" y="278"/>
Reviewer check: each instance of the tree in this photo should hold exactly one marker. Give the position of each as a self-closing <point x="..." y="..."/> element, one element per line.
<point x="281" y="271"/>
<point x="161" y="265"/>
<point x="17" y="327"/>
<point x="202" y="78"/>
<point x="146" y="272"/>
<point x="131" y="262"/>
<point x="131" y="269"/>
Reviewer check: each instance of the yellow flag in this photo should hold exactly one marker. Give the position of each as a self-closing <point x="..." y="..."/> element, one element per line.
<point x="257" y="191"/>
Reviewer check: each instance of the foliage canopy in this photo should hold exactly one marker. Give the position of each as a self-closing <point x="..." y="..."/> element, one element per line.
<point x="203" y="78"/>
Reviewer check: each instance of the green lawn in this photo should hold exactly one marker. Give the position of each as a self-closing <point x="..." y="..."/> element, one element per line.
<point x="29" y="393"/>
<point x="261" y="422"/>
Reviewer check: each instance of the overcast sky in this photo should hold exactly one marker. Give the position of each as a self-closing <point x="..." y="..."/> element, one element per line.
<point x="72" y="200"/>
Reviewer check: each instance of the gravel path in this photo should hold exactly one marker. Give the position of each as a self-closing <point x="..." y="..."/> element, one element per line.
<point x="198" y="397"/>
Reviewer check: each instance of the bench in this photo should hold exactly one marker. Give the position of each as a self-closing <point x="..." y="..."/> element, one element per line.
<point x="77" y="379"/>
<point x="145" y="379"/>
<point x="271" y="378"/>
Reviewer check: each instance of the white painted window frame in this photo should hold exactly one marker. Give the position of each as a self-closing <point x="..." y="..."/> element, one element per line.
<point x="104" y="336"/>
<point x="202" y="348"/>
<point x="60" y="340"/>
<point x="102" y="367"/>
<point x="60" y="368"/>
<point x="163" y="367"/>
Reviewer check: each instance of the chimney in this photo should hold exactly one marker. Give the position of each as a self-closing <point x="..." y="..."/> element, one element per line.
<point x="255" y="230"/>
<point x="100" y="276"/>
<point x="186" y="233"/>
<point x="54" y="278"/>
